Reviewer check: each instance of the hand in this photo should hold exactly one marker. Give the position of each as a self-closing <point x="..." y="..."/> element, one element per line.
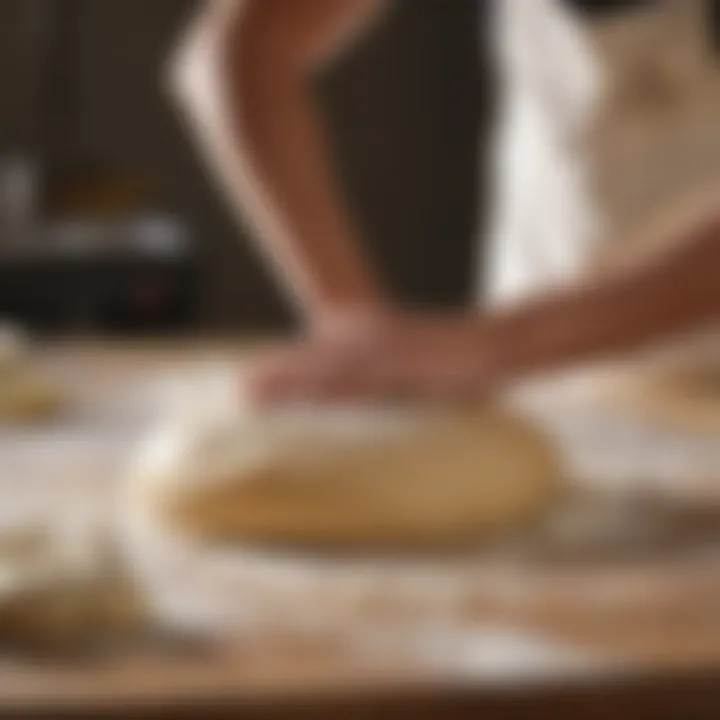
<point x="378" y="356"/>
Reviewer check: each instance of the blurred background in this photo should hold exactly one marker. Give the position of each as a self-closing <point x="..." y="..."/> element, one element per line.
<point x="108" y="223"/>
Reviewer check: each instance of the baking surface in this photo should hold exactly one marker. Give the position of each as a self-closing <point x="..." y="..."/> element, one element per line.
<point x="642" y="592"/>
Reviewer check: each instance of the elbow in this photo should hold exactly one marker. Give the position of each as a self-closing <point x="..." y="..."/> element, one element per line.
<point x="221" y="48"/>
<point x="186" y="72"/>
<point x="261" y="44"/>
<point x="190" y="73"/>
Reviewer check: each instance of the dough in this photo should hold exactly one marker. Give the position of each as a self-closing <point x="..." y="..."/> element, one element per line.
<point x="13" y="347"/>
<point x="61" y="597"/>
<point x="351" y="477"/>
<point x="25" y="396"/>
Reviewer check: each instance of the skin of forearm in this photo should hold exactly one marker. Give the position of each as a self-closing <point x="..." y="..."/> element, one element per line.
<point x="279" y="134"/>
<point x="250" y="109"/>
<point x="677" y="292"/>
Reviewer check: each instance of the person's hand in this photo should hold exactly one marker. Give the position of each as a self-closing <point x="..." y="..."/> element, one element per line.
<point x="377" y="356"/>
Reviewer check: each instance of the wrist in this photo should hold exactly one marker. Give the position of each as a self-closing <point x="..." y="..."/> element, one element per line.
<point x="537" y="337"/>
<point x="509" y="347"/>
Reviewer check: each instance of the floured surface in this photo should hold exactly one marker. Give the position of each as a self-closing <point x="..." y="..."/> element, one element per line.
<point x="679" y="392"/>
<point x="632" y="429"/>
<point x="642" y="588"/>
<point x="67" y="594"/>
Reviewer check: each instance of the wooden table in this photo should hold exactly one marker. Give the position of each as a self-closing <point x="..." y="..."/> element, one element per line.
<point x="584" y="635"/>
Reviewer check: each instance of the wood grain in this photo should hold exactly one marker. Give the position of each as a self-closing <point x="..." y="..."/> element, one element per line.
<point x="653" y="610"/>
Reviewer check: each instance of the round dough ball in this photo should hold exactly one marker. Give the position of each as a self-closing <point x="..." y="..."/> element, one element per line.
<point x="352" y="478"/>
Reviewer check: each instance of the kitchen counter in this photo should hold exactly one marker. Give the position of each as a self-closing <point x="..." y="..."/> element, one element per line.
<point x="514" y="628"/>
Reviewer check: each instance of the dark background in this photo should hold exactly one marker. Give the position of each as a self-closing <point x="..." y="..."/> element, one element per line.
<point x="409" y="109"/>
<point x="404" y="109"/>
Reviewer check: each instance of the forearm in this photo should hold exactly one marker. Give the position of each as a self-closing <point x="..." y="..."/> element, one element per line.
<point x="678" y="292"/>
<point x="268" y="145"/>
<point x="280" y="135"/>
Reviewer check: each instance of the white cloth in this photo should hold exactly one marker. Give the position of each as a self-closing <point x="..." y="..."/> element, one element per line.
<point x="576" y="109"/>
<point x="543" y="221"/>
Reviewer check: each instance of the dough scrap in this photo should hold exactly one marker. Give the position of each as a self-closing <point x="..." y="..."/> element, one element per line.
<point x="25" y="396"/>
<point x="58" y="598"/>
<point x="339" y="478"/>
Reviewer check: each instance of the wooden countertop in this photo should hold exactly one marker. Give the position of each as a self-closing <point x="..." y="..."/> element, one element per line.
<point x="542" y="628"/>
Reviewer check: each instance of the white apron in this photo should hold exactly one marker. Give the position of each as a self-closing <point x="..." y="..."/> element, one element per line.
<point x="605" y="124"/>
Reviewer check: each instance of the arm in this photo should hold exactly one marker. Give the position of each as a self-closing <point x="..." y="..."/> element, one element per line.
<point x="430" y="357"/>
<point x="647" y="302"/>
<point x="243" y="76"/>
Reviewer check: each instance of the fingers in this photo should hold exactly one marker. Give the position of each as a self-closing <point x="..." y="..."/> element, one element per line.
<point x="411" y="368"/>
<point x="305" y="373"/>
<point x="339" y="378"/>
